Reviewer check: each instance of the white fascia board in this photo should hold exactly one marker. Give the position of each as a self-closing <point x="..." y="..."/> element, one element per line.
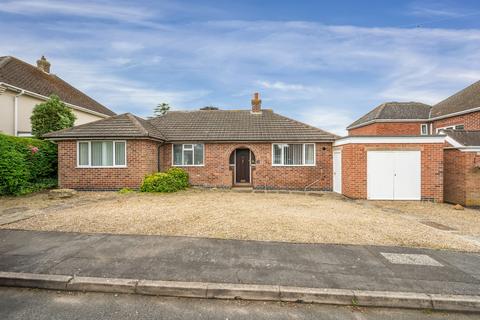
<point x="39" y="96"/>
<point x="389" y="139"/>
<point x="453" y="142"/>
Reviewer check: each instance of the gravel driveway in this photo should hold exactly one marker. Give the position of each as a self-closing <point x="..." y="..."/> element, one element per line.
<point x="329" y="218"/>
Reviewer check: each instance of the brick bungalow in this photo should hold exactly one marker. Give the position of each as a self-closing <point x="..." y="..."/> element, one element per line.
<point x="219" y="148"/>
<point x="413" y="151"/>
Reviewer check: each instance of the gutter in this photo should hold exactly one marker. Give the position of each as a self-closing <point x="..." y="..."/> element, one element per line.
<point x="15" y="112"/>
<point x="42" y="97"/>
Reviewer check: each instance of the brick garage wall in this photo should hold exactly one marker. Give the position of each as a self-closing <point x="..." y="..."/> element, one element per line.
<point x="216" y="171"/>
<point x="354" y="168"/>
<point x="141" y="160"/>
<point x="462" y="177"/>
<point x="387" y="129"/>
<point x="471" y="121"/>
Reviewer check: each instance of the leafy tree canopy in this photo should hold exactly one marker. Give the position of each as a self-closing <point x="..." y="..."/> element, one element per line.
<point x="161" y="109"/>
<point x="51" y="115"/>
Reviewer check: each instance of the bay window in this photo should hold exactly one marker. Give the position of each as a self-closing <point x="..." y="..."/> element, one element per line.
<point x="188" y="154"/>
<point x="101" y="154"/>
<point x="293" y="154"/>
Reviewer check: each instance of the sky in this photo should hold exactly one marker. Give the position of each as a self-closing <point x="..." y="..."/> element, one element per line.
<point x="325" y="63"/>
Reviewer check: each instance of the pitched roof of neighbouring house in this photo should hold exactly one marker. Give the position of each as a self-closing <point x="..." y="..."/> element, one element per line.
<point x="22" y="75"/>
<point x="465" y="138"/>
<point x="394" y="111"/>
<point x="466" y="99"/>
<point x="121" y="126"/>
<point x="235" y="125"/>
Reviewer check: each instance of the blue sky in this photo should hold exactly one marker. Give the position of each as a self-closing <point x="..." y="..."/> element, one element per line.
<point x="322" y="62"/>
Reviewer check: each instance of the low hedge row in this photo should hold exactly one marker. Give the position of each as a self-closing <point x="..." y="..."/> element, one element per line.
<point x="174" y="179"/>
<point x="26" y="165"/>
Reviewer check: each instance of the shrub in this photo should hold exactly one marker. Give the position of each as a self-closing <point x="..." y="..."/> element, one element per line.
<point x="26" y="165"/>
<point x="172" y="180"/>
<point x="51" y="115"/>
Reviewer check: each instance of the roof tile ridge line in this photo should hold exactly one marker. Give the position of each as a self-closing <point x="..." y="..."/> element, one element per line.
<point x="152" y="125"/>
<point x="304" y="124"/>
<point x="85" y="124"/>
<point x="5" y="60"/>
<point x="380" y="110"/>
<point x="137" y="124"/>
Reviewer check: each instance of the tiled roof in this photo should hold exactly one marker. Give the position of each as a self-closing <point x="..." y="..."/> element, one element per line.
<point x="205" y="125"/>
<point x="466" y="138"/>
<point x="20" y="74"/>
<point x="122" y="126"/>
<point x="235" y="125"/>
<point x="395" y="111"/>
<point x="466" y="99"/>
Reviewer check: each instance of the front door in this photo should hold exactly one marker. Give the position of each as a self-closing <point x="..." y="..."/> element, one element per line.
<point x="242" y="166"/>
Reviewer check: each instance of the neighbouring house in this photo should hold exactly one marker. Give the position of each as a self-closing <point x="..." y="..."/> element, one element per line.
<point x="219" y="148"/>
<point x="413" y="151"/>
<point x="23" y="86"/>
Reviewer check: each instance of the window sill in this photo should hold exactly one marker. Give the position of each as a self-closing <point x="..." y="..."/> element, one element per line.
<point x="188" y="165"/>
<point x="294" y="165"/>
<point x="101" y="167"/>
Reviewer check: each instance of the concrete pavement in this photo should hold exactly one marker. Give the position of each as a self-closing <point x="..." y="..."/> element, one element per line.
<point x="233" y="261"/>
<point x="28" y="304"/>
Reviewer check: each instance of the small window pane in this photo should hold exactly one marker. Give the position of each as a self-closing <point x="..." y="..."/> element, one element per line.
<point x="460" y="127"/>
<point x="309" y="154"/>
<point x="277" y="154"/>
<point x="177" y="154"/>
<point x="292" y="154"/>
<point x="424" y="129"/>
<point x="83" y="153"/>
<point x="107" y="153"/>
<point x="187" y="157"/>
<point x="198" y="156"/>
<point x="120" y="153"/>
<point x="97" y="153"/>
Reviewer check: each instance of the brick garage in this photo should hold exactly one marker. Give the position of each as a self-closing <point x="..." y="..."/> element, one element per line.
<point x="354" y="165"/>
<point x="217" y="172"/>
<point x="462" y="177"/>
<point x="141" y="160"/>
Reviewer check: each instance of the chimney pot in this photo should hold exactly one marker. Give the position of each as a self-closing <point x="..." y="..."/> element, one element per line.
<point x="256" y="103"/>
<point x="43" y="64"/>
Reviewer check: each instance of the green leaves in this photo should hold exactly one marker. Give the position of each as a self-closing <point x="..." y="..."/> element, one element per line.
<point x="51" y="115"/>
<point x="172" y="180"/>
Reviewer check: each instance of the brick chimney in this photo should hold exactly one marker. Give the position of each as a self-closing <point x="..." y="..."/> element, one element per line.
<point x="43" y="64"/>
<point x="256" y="103"/>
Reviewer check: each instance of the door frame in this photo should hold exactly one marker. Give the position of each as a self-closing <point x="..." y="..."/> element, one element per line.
<point x="235" y="183"/>
<point x="337" y="189"/>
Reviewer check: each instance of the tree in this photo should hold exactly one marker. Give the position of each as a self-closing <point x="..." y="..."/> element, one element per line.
<point x="51" y="115"/>
<point x="161" y="109"/>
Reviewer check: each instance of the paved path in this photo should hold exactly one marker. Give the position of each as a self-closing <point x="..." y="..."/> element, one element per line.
<point x="233" y="261"/>
<point x="39" y="304"/>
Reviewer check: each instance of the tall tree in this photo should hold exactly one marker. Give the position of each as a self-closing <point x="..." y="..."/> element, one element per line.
<point x="161" y="109"/>
<point x="51" y="115"/>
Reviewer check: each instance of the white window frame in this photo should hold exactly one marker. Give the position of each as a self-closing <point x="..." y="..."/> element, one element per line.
<point x="437" y="130"/>
<point x="424" y="125"/>
<point x="303" y="155"/>
<point x="90" y="154"/>
<point x="193" y="155"/>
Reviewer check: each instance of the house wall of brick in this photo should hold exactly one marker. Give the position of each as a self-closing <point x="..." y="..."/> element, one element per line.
<point x="471" y="121"/>
<point x="141" y="160"/>
<point x="388" y="129"/>
<point x="462" y="177"/>
<point x="354" y="168"/>
<point x="217" y="172"/>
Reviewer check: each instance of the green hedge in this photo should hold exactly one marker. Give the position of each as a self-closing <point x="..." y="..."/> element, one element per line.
<point x="26" y="165"/>
<point x="172" y="180"/>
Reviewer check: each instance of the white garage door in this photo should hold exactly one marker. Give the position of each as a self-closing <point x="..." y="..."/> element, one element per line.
<point x="394" y="175"/>
<point x="337" y="171"/>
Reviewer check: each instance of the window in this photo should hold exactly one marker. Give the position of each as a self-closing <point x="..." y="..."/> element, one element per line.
<point x="455" y="127"/>
<point x="188" y="154"/>
<point x="424" y="129"/>
<point x="101" y="154"/>
<point x="293" y="154"/>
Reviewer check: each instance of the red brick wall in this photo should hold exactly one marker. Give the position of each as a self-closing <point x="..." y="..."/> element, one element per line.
<point x="462" y="177"/>
<point x="387" y="129"/>
<point x="141" y="160"/>
<point x="354" y="168"/>
<point x="471" y="121"/>
<point x="216" y="171"/>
